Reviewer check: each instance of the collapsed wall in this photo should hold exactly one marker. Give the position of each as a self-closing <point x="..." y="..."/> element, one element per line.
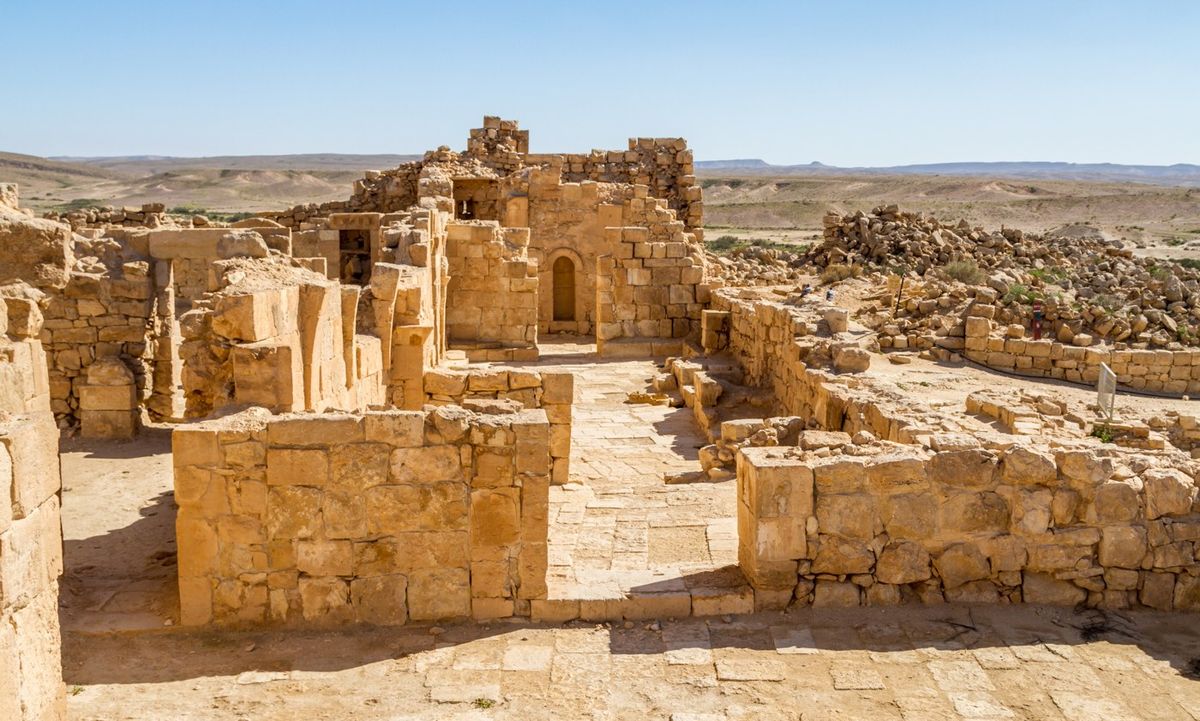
<point x="381" y="518"/>
<point x="31" y="686"/>
<point x="881" y="524"/>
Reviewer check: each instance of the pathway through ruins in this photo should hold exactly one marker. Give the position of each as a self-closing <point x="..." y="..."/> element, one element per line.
<point x="622" y="541"/>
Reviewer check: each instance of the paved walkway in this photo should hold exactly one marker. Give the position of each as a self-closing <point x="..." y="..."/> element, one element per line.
<point x="623" y="543"/>
<point x="900" y="664"/>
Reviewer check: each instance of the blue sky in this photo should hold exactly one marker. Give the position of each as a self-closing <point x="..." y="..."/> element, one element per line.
<point x="845" y="83"/>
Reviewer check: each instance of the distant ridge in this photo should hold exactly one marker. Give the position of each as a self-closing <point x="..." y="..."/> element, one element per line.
<point x="1181" y="174"/>
<point x="151" y="164"/>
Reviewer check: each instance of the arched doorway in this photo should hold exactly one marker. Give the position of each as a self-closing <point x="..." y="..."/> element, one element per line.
<point x="564" y="289"/>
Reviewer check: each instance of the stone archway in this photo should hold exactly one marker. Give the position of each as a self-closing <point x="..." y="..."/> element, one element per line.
<point x="563" y="274"/>
<point x="563" y="287"/>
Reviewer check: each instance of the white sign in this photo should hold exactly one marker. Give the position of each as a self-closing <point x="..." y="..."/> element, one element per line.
<point x="1106" y="391"/>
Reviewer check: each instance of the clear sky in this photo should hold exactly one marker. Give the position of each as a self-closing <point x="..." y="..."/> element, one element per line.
<point x="845" y="83"/>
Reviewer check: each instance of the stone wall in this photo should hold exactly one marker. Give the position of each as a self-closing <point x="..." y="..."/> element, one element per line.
<point x="283" y="338"/>
<point x="148" y="215"/>
<point x="31" y="686"/>
<point x="649" y="288"/>
<point x="777" y="348"/>
<point x="552" y="391"/>
<point x="379" y="518"/>
<point x="882" y="524"/>
<point x="1169" y="371"/>
<point x="664" y="165"/>
<point x="492" y="296"/>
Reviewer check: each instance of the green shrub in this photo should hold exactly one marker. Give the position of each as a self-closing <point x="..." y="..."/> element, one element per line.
<point x="724" y="243"/>
<point x="1023" y="294"/>
<point x="1104" y="432"/>
<point x="965" y="271"/>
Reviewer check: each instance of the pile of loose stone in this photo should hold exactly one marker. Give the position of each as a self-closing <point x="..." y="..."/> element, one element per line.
<point x="1087" y="284"/>
<point x="753" y="265"/>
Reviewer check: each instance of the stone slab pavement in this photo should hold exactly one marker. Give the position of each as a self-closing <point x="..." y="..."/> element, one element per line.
<point x="622" y="542"/>
<point x="906" y="664"/>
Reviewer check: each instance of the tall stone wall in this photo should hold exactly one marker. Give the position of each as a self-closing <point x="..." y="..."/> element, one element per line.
<point x="492" y="296"/>
<point x="31" y="686"/>
<point x="379" y="518"/>
<point x="649" y="288"/>
<point x="881" y="525"/>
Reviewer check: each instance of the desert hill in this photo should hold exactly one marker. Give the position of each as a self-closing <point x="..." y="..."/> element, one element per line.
<point x="1182" y="174"/>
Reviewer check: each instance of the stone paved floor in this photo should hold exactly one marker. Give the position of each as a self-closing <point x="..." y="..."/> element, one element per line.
<point x="906" y="664"/>
<point x="623" y="543"/>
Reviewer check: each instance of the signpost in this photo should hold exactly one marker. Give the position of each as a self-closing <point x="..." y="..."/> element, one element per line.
<point x="1106" y="391"/>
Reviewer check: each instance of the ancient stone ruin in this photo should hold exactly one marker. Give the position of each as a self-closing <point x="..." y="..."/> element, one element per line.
<point x="382" y="408"/>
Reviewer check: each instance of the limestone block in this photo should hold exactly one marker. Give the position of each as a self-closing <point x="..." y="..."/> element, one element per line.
<point x="842" y="556"/>
<point x="1026" y="466"/>
<point x="439" y="594"/>
<point x="325" y="599"/>
<point x="356" y="467"/>
<point x="425" y="465"/>
<point x="835" y="594"/>
<point x="495" y="517"/>
<point x="1158" y="590"/>
<point x="1044" y="588"/>
<point x="972" y="513"/>
<point x="1169" y="492"/>
<point x="325" y="558"/>
<point x="1116" y="501"/>
<point x="558" y="387"/>
<point x="1122" y="547"/>
<point x="380" y="600"/>
<point x="294" y="466"/>
<point x="961" y="563"/>
<point x="115" y="425"/>
<point x="974" y="468"/>
<point x="903" y="562"/>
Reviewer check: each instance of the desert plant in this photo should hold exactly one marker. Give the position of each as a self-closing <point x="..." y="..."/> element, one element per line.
<point x="965" y="271"/>
<point x="1104" y="432"/>
<point x="1023" y="294"/>
<point x="840" y="271"/>
<point x="724" y="243"/>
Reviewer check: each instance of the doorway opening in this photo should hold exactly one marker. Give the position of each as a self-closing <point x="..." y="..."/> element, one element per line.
<point x="354" y="256"/>
<point x="564" y="289"/>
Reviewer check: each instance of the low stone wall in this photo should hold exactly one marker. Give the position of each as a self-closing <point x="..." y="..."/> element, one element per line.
<point x="1166" y="371"/>
<point x="382" y="518"/>
<point x="552" y="391"/>
<point x="883" y="524"/>
<point x="31" y="686"/>
<point x="772" y="342"/>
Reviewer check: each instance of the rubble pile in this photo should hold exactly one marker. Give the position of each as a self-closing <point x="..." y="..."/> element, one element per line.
<point x="754" y="265"/>
<point x="1086" y="284"/>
